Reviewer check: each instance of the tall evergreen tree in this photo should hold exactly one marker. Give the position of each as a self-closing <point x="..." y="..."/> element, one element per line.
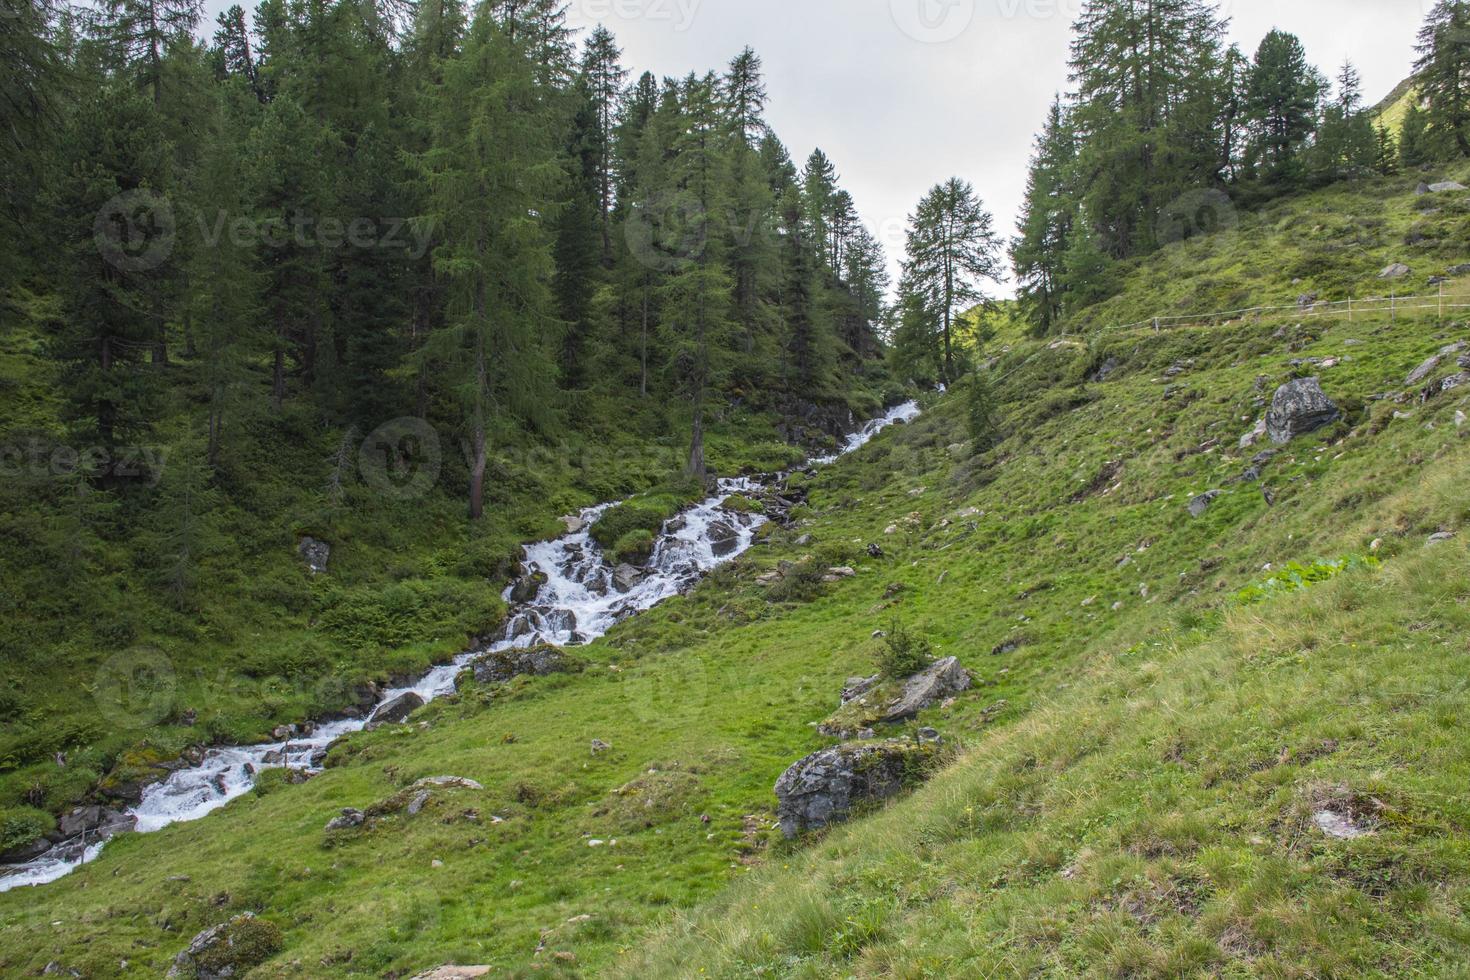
<point x="602" y="77"/>
<point x="141" y="32"/>
<point x="1281" y="99"/>
<point x="1442" y="74"/>
<point x="492" y="171"/>
<point x="1047" y="217"/>
<point x="952" y="252"/>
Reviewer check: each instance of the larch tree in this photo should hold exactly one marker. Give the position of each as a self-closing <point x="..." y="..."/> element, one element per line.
<point x="1442" y="73"/>
<point x="491" y="173"/>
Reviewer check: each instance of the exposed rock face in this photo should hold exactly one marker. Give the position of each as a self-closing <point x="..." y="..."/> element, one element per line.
<point x="1447" y="187"/>
<point x="96" y="822"/>
<point x="1200" y="504"/>
<point x="397" y="710"/>
<point x="1298" y="408"/>
<point x="1423" y="371"/>
<point x="823" y="788"/>
<point x="927" y="688"/>
<point x="455" y="973"/>
<point x="315" y="553"/>
<point x="856" y="687"/>
<point x="506" y="665"/>
<point x="1254" y="436"/>
<point x="229" y="949"/>
<point x="1396" y="271"/>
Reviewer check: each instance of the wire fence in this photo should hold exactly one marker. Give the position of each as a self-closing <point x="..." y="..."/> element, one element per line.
<point x="1443" y="303"/>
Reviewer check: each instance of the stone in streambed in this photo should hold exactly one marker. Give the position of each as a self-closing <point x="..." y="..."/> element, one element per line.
<point x="503" y="666"/>
<point x="396" y="711"/>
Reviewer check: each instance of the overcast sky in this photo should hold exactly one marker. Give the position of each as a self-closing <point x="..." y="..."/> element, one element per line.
<point x="904" y="93"/>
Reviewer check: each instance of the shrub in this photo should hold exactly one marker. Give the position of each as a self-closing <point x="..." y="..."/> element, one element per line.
<point x="21" y="825"/>
<point x="801" y="582"/>
<point x="643" y="514"/>
<point x="903" y="653"/>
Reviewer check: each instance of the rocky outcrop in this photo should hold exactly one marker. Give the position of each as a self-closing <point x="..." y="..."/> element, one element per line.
<point x="397" y="710"/>
<point x="1447" y="187"/>
<point x="315" y="553"/>
<point x="944" y="679"/>
<point x="455" y="973"/>
<point x="503" y="666"/>
<point x="871" y="701"/>
<point x="1396" y="271"/>
<point x="230" y="949"/>
<point x="824" y="787"/>
<point x="1298" y="408"/>
<point x="625" y="578"/>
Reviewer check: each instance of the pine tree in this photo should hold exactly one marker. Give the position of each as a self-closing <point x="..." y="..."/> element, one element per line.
<point x="492" y="171"/>
<point x="1281" y="103"/>
<point x="121" y="233"/>
<point x="1414" y="144"/>
<point x="952" y="252"/>
<point x="743" y="93"/>
<point x="1442" y="74"/>
<point x="602" y="77"/>
<point x="696" y="299"/>
<point x="235" y="58"/>
<point x="141" y="32"/>
<point x="1047" y="217"/>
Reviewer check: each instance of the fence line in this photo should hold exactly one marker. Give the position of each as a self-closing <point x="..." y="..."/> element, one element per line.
<point x="1391" y="304"/>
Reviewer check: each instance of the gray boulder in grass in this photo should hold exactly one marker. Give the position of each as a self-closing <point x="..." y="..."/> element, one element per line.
<point x="230" y="949"/>
<point x="824" y="787"/>
<point x="1298" y="408"/>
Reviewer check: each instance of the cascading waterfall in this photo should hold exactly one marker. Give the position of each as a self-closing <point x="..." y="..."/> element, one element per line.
<point x="583" y="598"/>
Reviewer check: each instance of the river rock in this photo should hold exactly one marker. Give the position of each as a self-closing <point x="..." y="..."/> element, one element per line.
<point x="928" y="687"/>
<point x="315" y="553"/>
<point x="95" y="822"/>
<point x="823" y="788"/>
<point x="230" y="949"/>
<point x="1395" y="271"/>
<point x="526" y="588"/>
<point x="397" y="710"/>
<point x="26" y="852"/>
<point x="724" y="538"/>
<point x="1298" y="408"/>
<point x="503" y="666"/>
<point x="625" y="578"/>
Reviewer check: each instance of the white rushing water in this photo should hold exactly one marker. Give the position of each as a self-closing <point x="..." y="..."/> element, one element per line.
<point x="579" y="603"/>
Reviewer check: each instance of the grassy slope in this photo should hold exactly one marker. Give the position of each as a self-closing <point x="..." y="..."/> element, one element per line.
<point x="1120" y="765"/>
<point x="1333" y="242"/>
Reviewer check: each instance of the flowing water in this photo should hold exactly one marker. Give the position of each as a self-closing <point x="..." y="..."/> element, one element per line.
<point x="584" y="597"/>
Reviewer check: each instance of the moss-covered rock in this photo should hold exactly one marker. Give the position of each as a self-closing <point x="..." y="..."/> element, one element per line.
<point x="229" y="949"/>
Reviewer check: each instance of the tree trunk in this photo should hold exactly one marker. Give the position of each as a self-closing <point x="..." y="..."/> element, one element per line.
<point x="278" y="378"/>
<point x="696" y="440"/>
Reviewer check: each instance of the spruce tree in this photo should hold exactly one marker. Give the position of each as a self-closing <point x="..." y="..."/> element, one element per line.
<point x="1442" y="74"/>
<point x="1281" y="102"/>
<point x="1047" y="216"/>
<point x="602" y="78"/>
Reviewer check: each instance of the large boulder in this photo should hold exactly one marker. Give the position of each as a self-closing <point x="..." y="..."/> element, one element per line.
<point x="503" y="666"/>
<point x="230" y="949"/>
<point x="625" y="578"/>
<point x="1447" y="187"/>
<point x="1395" y="271"/>
<point x="1298" y="408"/>
<point x="397" y="710"/>
<point x="824" y="787"/>
<point x="94" y="822"/>
<point x="526" y="588"/>
<point x="1199" y="505"/>
<point x="944" y="679"/>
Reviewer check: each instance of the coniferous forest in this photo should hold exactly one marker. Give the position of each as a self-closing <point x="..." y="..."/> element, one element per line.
<point x="466" y="499"/>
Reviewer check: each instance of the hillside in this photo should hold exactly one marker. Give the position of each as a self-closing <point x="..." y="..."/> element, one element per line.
<point x="1137" y="774"/>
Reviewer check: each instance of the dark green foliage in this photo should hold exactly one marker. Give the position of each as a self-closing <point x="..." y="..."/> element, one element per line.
<point x="20" y="826"/>
<point x="982" y="412"/>
<point x="1442" y="74"/>
<point x="903" y="653"/>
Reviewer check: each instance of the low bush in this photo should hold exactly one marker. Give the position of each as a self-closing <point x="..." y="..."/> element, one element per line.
<point x="904" y="653"/>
